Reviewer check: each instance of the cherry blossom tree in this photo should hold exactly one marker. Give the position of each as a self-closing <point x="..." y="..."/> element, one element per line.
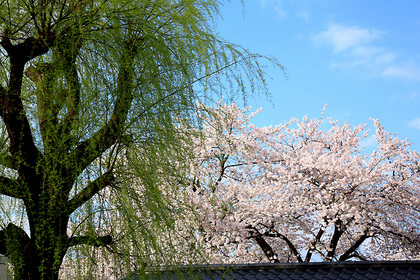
<point x="304" y="191"/>
<point x="296" y="192"/>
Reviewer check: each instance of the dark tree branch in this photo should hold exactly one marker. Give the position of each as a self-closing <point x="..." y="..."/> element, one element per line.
<point x="16" y="245"/>
<point x="73" y="98"/>
<point x="358" y="256"/>
<point x="104" y="138"/>
<point x="292" y="247"/>
<point x="267" y="249"/>
<point x="414" y="241"/>
<point x="43" y="76"/>
<point x="22" y="146"/>
<point x="13" y="237"/>
<point x="90" y="190"/>
<point x="28" y="49"/>
<point x="7" y="161"/>
<point x="313" y="244"/>
<point x="50" y="100"/>
<point x="338" y="232"/>
<point x="10" y="187"/>
<point x="67" y="54"/>
<point x="20" y="54"/>
<point x="96" y="241"/>
<point x="349" y="253"/>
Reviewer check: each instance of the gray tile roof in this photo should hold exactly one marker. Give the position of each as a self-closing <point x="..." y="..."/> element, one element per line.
<point x="398" y="270"/>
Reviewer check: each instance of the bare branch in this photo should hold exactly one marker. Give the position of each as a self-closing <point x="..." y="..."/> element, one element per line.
<point x="292" y="247"/>
<point x="313" y="244"/>
<point x="267" y="249"/>
<point x="349" y="253"/>
<point x="338" y="232"/>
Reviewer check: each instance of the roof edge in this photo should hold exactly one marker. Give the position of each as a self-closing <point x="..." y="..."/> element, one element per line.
<point x="265" y="266"/>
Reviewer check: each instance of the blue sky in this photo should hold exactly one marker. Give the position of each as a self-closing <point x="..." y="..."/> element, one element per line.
<point x="362" y="58"/>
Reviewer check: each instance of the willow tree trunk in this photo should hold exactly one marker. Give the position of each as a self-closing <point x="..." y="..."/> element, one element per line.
<point x="46" y="176"/>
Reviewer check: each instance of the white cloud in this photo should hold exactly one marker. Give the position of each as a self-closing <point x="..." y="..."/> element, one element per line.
<point x="415" y="123"/>
<point x="408" y="72"/>
<point x="342" y="38"/>
<point x="373" y="54"/>
<point x="357" y="47"/>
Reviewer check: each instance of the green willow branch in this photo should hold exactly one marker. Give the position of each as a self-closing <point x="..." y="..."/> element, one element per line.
<point x="103" y="139"/>
<point x="90" y="190"/>
<point x="98" y="241"/>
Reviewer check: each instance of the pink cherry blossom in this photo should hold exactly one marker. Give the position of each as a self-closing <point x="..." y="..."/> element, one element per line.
<point x="304" y="190"/>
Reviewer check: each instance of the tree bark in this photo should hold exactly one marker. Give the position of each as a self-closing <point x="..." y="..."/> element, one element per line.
<point x="265" y="247"/>
<point x="46" y="177"/>
<point x="313" y="244"/>
<point x="338" y="232"/>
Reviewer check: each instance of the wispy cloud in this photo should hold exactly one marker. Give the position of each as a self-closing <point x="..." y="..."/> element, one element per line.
<point x="275" y="5"/>
<point x="356" y="46"/>
<point x="286" y="9"/>
<point x="415" y="123"/>
<point x="408" y="71"/>
<point x="342" y="38"/>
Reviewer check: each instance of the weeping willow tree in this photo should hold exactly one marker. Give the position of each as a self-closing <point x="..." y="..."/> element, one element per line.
<point x="83" y="83"/>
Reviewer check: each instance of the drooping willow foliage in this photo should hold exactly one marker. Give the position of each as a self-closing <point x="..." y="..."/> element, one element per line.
<point x="91" y="93"/>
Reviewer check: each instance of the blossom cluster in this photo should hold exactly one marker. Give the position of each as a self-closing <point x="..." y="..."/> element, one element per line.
<point x="304" y="190"/>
